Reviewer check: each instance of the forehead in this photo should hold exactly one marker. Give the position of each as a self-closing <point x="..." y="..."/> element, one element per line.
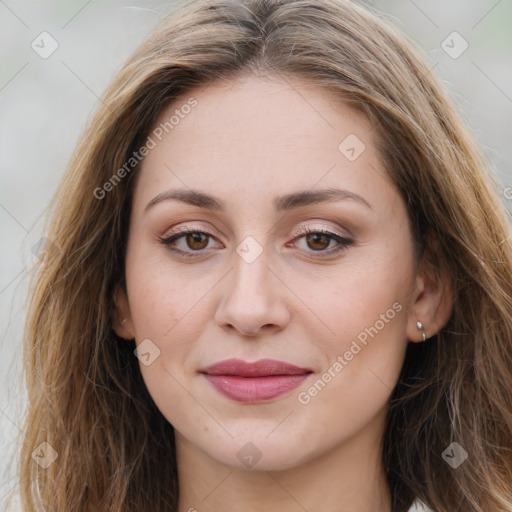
<point x="252" y="137"/>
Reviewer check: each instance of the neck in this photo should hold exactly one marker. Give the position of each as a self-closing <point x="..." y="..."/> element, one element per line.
<point x="347" y="478"/>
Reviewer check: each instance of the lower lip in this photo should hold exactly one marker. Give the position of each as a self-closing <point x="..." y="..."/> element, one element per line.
<point x="255" y="389"/>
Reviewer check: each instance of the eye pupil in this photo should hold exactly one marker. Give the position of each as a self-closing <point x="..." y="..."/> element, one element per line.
<point x="197" y="238"/>
<point x="318" y="238"/>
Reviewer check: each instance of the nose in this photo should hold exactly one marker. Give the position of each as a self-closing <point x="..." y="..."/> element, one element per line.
<point x="254" y="299"/>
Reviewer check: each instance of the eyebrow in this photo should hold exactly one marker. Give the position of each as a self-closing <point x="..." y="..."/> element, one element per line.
<point x="281" y="203"/>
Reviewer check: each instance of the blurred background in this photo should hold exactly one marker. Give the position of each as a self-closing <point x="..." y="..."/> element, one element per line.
<point x="56" y="59"/>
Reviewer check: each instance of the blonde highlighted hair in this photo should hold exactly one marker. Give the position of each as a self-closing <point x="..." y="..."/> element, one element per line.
<point x="86" y="396"/>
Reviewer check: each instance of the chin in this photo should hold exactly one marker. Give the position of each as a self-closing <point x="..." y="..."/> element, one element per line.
<point x="262" y="452"/>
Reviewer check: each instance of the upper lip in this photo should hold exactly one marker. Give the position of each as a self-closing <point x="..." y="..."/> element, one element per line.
<point x="260" y="368"/>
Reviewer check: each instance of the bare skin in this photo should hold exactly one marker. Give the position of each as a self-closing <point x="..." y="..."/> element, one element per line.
<point x="299" y="301"/>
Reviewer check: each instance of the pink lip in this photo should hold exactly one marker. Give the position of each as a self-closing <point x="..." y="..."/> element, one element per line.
<point x="254" y="382"/>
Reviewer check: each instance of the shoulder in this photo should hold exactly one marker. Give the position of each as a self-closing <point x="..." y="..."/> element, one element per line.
<point x="419" y="506"/>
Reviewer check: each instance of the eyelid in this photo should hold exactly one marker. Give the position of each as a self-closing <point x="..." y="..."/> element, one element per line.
<point x="342" y="241"/>
<point x="303" y="229"/>
<point x="167" y="240"/>
<point x="311" y="228"/>
<point x="186" y="228"/>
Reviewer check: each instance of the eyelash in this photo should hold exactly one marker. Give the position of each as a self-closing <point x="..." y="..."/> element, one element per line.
<point x="343" y="242"/>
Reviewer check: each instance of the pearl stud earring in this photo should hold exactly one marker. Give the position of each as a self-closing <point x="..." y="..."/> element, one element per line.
<point x="419" y="325"/>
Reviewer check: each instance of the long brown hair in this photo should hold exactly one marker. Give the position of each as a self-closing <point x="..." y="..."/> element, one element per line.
<point x="86" y="396"/>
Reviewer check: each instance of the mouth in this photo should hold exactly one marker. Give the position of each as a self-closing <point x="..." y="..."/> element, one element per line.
<point x="255" y="382"/>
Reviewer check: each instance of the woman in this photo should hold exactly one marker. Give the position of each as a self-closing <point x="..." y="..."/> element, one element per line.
<point x="279" y="279"/>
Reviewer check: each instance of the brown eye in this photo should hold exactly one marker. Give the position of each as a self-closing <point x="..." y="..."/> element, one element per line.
<point x="321" y="241"/>
<point x="197" y="240"/>
<point x="188" y="242"/>
<point x="318" y="241"/>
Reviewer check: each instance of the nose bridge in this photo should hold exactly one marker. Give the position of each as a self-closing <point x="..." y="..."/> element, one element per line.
<point x="252" y="296"/>
<point x="251" y="259"/>
<point x="251" y="276"/>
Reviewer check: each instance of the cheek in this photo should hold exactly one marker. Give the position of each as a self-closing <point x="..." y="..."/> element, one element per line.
<point x="360" y="294"/>
<point x="168" y="307"/>
<point x="368" y="341"/>
<point x="166" y="301"/>
<point x="363" y="358"/>
<point x="364" y="308"/>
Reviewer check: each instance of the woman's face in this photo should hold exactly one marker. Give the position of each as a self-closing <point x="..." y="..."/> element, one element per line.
<point x="250" y="283"/>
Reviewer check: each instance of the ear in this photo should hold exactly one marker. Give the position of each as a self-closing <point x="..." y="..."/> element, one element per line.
<point x="432" y="299"/>
<point x="122" y="322"/>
